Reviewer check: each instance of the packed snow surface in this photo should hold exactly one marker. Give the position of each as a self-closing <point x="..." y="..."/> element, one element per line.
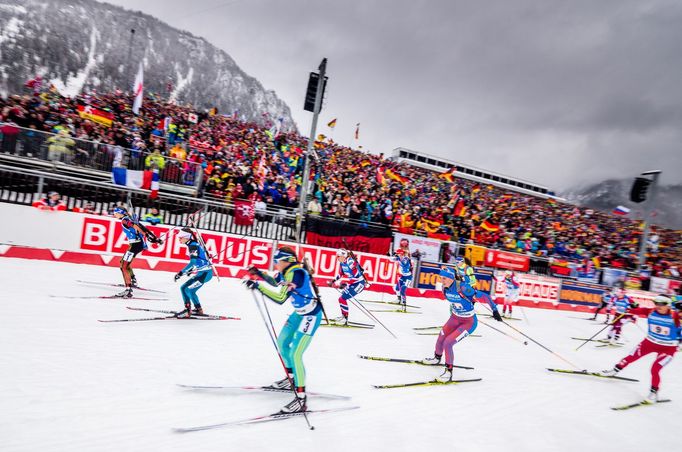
<point x="70" y="383"/>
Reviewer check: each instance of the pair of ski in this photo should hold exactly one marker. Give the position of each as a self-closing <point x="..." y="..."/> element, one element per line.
<point x="611" y="377"/>
<point x="418" y="383"/>
<point x="348" y="325"/>
<point x="428" y="331"/>
<point x="402" y="307"/>
<point x="602" y="342"/>
<point x="172" y="315"/>
<point x="261" y="419"/>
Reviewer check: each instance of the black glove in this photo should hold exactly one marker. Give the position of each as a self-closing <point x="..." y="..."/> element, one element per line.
<point x="251" y="284"/>
<point x="177" y="276"/>
<point x="154" y="239"/>
<point x="255" y="272"/>
<point x="497" y="316"/>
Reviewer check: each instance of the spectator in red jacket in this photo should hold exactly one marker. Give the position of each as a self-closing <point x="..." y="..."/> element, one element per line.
<point x="52" y="201"/>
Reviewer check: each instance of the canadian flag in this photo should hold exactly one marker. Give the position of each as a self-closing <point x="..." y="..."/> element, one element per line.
<point x="138" y="90"/>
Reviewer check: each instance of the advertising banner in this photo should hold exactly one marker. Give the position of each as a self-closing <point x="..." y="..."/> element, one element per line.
<point x="428" y="249"/>
<point x="506" y="260"/>
<point x="664" y="285"/>
<point x="533" y="288"/>
<point x="428" y="277"/>
<point x="573" y="292"/>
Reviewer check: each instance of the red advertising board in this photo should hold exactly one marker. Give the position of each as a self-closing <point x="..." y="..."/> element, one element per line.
<point x="506" y="260"/>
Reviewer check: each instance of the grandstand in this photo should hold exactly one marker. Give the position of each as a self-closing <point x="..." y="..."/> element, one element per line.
<point x="48" y="144"/>
<point x="440" y="164"/>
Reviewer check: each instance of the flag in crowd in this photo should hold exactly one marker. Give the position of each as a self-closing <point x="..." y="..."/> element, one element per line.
<point x="331" y="124"/>
<point x="449" y="175"/>
<point x="154" y="186"/>
<point x="138" y="90"/>
<point x="489" y="226"/>
<point x="357" y="131"/>
<point x="621" y="210"/>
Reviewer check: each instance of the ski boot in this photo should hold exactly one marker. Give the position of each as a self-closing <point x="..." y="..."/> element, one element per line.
<point x="653" y="396"/>
<point x="126" y="293"/>
<point x="610" y="372"/>
<point x="445" y="376"/>
<point x="434" y="360"/>
<point x="298" y="405"/>
<point x="340" y="320"/>
<point x="186" y="313"/>
<point x="284" y="383"/>
<point x="198" y="310"/>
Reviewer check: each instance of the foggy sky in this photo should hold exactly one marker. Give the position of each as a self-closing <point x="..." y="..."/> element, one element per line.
<point x="555" y="92"/>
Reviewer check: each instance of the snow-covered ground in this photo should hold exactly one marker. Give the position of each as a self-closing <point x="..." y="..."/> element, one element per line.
<point x="70" y="383"/>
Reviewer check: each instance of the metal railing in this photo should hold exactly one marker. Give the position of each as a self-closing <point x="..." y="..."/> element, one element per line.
<point x="27" y="186"/>
<point x="31" y="143"/>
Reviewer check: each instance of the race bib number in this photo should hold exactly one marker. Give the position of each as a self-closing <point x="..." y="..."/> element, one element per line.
<point x="658" y="329"/>
<point x="307" y="324"/>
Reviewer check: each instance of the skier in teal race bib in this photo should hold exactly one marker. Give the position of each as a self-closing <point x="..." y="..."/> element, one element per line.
<point x="292" y="282"/>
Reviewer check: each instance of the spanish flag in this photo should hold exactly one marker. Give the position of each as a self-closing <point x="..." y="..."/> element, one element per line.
<point x="448" y="175"/>
<point x="331" y="124"/>
<point x="489" y="226"/>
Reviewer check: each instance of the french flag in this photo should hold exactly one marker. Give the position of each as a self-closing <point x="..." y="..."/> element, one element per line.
<point x="621" y="210"/>
<point x="155" y="184"/>
<point x="127" y="178"/>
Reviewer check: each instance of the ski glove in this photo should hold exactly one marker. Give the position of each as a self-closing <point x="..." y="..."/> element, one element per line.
<point x="177" y="276"/>
<point x="251" y="284"/>
<point x="497" y="316"/>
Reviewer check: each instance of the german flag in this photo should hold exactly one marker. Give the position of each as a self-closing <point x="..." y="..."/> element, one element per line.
<point x="476" y="188"/>
<point x="460" y="209"/>
<point x="449" y="175"/>
<point x="331" y="124"/>
<point x="516" y="211"/>
<point x="365" y="163"/>
<point x="396" y="177"/>
<point x="489" y="226"/>
<point x="507" y="196"/>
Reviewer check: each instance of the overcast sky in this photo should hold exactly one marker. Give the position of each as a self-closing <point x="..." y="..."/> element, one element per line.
<point x="555" y="92"/>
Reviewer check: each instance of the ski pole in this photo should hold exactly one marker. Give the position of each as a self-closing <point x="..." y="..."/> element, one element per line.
<point x="273" y="337"/>
<point x="597" y="333"/>
<point x="502" y="332"/>
<point x="203" y="245"/>
<point x="190" y="218"/>
<point x="542" y="346"/>
<point x="234" y="241"/>
<point x="366" y="311"/>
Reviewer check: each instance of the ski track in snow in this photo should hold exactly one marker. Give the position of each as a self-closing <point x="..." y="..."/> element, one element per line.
<point x="69" y="383"/>
<point x="74" y="84"/>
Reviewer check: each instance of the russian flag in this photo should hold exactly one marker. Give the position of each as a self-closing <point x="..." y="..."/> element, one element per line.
<point x="621" y="210"/>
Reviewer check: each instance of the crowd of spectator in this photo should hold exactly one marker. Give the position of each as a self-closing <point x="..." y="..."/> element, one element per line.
<point x="263" y="162"/>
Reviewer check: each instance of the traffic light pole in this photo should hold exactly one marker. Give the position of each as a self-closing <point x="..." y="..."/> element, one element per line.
<point x="650" y="206"/>
<point x="309" y="151"/>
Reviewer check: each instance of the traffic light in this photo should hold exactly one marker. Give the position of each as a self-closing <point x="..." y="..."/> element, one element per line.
<point x="639" y="189"/>
<point x="311" y="91"/>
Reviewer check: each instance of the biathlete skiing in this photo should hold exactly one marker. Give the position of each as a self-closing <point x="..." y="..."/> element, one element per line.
<point x="137" y="235"/>
<point x="199" y="269"/>
<point x="294" y="283"/>
<point x="459" y="290"/>
<point x="663" y="338"/>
